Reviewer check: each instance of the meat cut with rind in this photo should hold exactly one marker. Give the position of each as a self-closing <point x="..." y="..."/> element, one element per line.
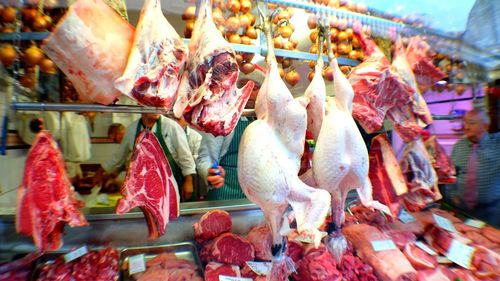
<point x="45" y="198"/>
<point x="207" y="96"/>
<point x="211" y="225"/>
<point x="156" y="60"/>
<point x="91" y="44"/>
<point x="150" y="185"/>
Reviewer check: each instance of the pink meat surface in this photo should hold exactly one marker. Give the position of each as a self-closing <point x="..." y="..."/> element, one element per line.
<point x="232" y="249"/>
<point x="261" y="239"/>
<point x="418" y="258"/>
<point x="211" y="225"/>
<point x="425" y="72"/>
<point x="317" y="265"/>
<point x="213" y="270"/>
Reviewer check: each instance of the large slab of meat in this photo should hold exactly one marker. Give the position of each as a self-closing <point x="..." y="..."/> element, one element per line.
<point x="155" y="62"/>
<point x="420" y="175"/>
<point x="90" y="44"/>
<point x="317" y="265"/>
<point x="150" y="185"/>
<point x="207" y="96"/>
<point x="377" y="87"/>
<point x="45" y="198"/>
<point x="211" y="225"/>
<point x="214" y="269"/>
<point x="420" y="62"/>
<point x="99" y="265"/>
<point x="388" y="181"/>
<point x="390" y="265"/>
<point x="232" y="249"/>
<point x="441" y="162"/>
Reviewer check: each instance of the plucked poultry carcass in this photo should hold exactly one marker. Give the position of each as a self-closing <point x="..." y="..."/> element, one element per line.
<point x="377" y="87"/>
<point x="150" y="185"/>
<point x="91" y="45"/>
<point x="269" y="161"/>
<point x="154" y="65"/>
<point x="420" y="62"/>
<point x="45" y="198"/>
<point x="207" y="96"/>
<point x="422" y="180"/>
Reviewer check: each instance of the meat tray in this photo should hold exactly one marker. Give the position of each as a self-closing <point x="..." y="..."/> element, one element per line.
<point x="185" y="250"/>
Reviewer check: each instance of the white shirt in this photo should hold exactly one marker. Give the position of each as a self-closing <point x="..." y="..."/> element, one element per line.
<point x="175" y="139"/>
<point x="194" y="141"/>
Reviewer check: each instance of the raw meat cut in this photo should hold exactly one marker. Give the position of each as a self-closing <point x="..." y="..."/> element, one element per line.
<point x="425" y="72"/>
<point x="205" y="249"/>
<point x="158" y="54"/>
<point x="340" y="159"/>
<point x="420" y="176"/>
<point x="207" y="96"/>
<point x="369" y="216"/>
<point x="294" y="250"/>
<point x="404" y="122"/>
<point x="167" y="266"/>
<point x="317" y="265"/>
<point x="377" y="87"/>
<point x="491" y="233"/>
<point x="211" y="225"/>
<point x="415" y="227"/>
<point x="463" y="274"/>
<point x="269" y="160"/>
<point x="401" y="237"/>
<point x="99" y="265"/>
<point x="440" y="161"/>
<point x="150" y="185"/>
<point x="353" y="269"/>
<point x="418" y="258"/>
<point x="390" y="265"/>
<point x="385" y="174"/>
<point x="262" y="241"/>
<point x="233" y="249"/>
<point x="91" y="44"/>
<point x="21" y="264"/>
<point x="214" y="269"/>
<point x="440" y="273"/>
<point x="45" y="198"/>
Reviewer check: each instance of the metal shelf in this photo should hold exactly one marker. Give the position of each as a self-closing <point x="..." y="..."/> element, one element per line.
<point x="11" y="36"/>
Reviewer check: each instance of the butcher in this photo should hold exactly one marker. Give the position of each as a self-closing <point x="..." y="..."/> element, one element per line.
<point x="477" y="160"/>
<point x="173" y="141"/>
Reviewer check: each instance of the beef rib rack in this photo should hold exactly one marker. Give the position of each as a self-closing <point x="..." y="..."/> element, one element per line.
<point x="150" y="185"/>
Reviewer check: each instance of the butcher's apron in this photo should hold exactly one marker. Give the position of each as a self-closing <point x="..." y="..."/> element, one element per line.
<point x="231" y="188"/>
<point x="176" y="171"/>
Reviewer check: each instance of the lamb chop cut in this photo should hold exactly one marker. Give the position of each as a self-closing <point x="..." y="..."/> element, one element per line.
<point x="91" y="44"/>
<point x="422" y="180"/>
<point x="207" y="96"/>
<point x="388" y="181"/>
<point x="377" y="87"/>
<point x="154" y="65"/>
<point x="269" y="161"/>
<point x="45" y="198"/>
<point x="150" y="185"/>
<point x="340" y="160"/>
<point x="420" y="62"/>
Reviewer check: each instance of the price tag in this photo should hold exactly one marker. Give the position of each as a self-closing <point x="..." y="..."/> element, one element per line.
<point x="260" y="268"/>
<point x="383" y="245"/>
<point x="309" y="240"/>
<point x="475" y="223"/>
<point x="136" y="264"/>
<point x="425" y="248"/>
<point x="444" y="223"/>
<point x="73" y="255"/>
<point x="406" y="217"/>
<point x="460" y="253"/>
<point x="444" y="260"/>
<point x="231" y="278"/>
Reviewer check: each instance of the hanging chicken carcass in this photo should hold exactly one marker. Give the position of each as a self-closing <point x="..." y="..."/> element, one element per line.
<point x="207" y="96"/>
<point x="156" y="59"/>
<point x="340" y="160"/>
<point x="91" y="44"/>
<point x="269" y="161"/>
<point x="377" y="87"/>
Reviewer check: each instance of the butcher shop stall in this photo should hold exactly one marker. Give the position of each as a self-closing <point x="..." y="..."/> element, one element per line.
<point x="306" y="140"/>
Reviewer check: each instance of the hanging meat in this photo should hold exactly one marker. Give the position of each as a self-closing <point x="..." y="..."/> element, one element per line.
<point x="150" y="185"/>
<point x="45" y="198"/>
<point x="269" y="161"/>
<point x="420" y="62"/>
<point x="422" y="180"/>
<point x="157" y="56"/>
<point x="388" y="181"/>
<point x="440" y="161"/>
<point x="377" y="87"/>
<point x="207" y="96"/>
<point x="340" y="160"/>
<point x="90" y="44"/>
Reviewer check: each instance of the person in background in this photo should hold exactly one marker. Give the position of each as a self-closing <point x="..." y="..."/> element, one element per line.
<point x="218" y="158"/>
<point x="477" y="160"/>
<point x="116" y="132"/>
<point x="173" y="141"/>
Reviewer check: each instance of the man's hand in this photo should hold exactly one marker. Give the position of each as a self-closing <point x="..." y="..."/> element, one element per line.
<point x="216" y="177"/>
<point x="187" y="188"/>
